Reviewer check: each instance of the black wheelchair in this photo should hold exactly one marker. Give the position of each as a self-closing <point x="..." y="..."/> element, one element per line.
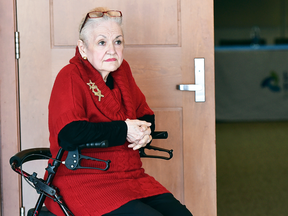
<point x="45" y="187"/>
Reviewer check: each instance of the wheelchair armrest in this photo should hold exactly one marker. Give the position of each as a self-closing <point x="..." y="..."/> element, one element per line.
<point x="29" y="155"/>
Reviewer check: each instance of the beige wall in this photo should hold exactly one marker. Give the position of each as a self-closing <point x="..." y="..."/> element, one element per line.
<point x="9" y="137"/>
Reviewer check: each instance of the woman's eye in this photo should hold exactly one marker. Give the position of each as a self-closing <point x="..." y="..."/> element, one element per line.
<point x="101" y="43"/>
<point x="118" y="42"/>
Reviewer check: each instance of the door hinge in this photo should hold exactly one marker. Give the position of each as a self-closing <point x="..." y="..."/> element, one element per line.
<point x="17" y="45"/>
<point x="22" y="211"/>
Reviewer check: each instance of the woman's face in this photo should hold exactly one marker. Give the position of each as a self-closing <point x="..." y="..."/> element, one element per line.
<point x="105" y="47"/>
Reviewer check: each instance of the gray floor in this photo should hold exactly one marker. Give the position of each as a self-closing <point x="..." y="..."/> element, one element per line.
<point x="252" y="169"/>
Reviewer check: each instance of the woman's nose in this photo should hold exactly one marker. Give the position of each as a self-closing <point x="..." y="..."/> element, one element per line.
<point x="111" y="49"/>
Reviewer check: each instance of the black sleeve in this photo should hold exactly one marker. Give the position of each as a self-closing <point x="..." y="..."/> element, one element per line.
<point x="81" y="132"/>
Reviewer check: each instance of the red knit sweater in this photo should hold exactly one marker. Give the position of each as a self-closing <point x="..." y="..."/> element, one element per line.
<point x="94" y="192"/>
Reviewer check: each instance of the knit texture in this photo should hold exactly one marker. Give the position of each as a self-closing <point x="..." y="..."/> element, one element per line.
<point x="94" y="192"/>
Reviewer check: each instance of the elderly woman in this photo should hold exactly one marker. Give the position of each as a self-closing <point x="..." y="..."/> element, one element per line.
<point x="95" y="98"/>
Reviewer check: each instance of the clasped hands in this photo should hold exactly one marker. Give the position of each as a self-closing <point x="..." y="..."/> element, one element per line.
<point x="138" y="134"/>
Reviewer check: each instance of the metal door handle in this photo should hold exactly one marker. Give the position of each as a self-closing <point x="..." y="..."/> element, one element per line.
<point x="189" y="87"/>
<point x="199" y="86"/>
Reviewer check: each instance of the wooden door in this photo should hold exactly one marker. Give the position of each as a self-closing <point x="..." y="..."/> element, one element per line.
<point x="162" y="39"/>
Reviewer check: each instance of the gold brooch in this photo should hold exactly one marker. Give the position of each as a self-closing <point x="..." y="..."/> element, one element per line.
<point x="93" y="87"/>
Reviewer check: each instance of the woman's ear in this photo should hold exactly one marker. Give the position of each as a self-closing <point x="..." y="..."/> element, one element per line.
<point x="82" y="48"/>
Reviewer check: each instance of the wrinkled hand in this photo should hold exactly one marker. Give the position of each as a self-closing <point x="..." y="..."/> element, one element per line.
<point x="142" y="143"/>
<point x="138" y="133"/>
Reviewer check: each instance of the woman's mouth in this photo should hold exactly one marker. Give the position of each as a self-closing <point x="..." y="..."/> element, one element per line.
<point x="110" y="60"/>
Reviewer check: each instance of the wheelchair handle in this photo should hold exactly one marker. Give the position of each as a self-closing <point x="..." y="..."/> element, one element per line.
<point x="143" y="154"/>
<point x="29" y="155"/>
<point x="157" y="135"/>
<point x="160" y="135"/>
<point x="103" y="144"/>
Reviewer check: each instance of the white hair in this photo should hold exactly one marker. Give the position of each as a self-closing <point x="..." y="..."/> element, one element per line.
<point x="92" y="23"/>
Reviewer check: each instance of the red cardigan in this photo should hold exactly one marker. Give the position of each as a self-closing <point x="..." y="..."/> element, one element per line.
<point x="94" y="192"/>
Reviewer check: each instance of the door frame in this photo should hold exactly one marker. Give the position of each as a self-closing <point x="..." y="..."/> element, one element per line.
<point x="9" y="112"/>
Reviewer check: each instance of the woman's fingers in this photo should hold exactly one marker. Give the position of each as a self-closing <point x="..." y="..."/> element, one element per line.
<point x="142" y="143"/>
<point x="137" y="130"/>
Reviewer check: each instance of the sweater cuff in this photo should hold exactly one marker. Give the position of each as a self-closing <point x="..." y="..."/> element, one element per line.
<point x="120" y="133"/>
